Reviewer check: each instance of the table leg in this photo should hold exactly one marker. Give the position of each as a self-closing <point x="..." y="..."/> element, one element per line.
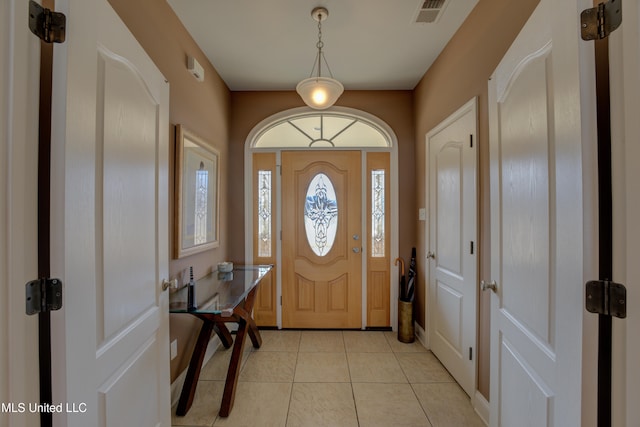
<point x="245" y="313"/>
<point x="193" y="373"/>
<point x="254" y="333"/>
<point x="245" y="323"/>
<point x="223" y="334"/>
<point x="229" y="394"/>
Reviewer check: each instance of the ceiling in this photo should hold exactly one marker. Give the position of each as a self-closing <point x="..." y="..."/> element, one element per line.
<point x="260" y="45"/>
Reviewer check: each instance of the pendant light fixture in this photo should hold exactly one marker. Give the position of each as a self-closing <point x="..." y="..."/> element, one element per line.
<point x="320" y="92"/>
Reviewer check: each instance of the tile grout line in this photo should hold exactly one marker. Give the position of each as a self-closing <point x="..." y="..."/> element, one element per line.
<point x="426" y="414"/>
<point x="395" y="354"/>
<point x="293" y="380"/>
<point x="353" y="394"/>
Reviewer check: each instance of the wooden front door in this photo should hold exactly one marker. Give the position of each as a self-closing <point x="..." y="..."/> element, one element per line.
<point x="321" y="239"/>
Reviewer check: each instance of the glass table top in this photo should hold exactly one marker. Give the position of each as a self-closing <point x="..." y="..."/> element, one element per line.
<point x="217" y="292"/>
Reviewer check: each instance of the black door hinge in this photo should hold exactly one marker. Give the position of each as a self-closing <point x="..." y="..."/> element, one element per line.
<point x="48" y="25"/>
<point x="606" y="297"/>
<point x="600" y="21"/>
<point x="43" y="295"/>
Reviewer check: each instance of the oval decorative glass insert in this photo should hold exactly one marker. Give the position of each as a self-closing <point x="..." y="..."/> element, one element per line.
<point x="321" y="214"/>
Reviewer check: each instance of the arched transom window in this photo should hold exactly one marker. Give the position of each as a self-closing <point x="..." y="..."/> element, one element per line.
<point x="323" y="130"/>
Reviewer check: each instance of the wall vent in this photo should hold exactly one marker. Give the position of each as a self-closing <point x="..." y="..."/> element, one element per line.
<point x="429" y="11"/>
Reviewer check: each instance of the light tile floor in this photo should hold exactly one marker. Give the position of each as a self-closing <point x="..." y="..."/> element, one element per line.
<point x="332" y="378"/>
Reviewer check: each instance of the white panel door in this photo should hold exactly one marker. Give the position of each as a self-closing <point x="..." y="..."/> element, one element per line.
<point x="110" y="216"/>
<point x="452" y="241"/>
<point x="537" y="231"/>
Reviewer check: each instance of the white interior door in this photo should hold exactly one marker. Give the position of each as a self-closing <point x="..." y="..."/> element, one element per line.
<point x="453" y="268"/>
<point x="624" y="49"/>
<point x="537" y="224"/>
<point x="110" y="222"/>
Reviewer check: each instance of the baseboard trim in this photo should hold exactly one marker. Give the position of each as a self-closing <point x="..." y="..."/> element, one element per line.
<point x="176" y="386"/>
<point x="481" y="406"/>
<point x="421" y="335"/>
<point x="479" y="403"/>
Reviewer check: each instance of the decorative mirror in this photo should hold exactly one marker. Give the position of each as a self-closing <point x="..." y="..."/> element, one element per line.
<point x="196" y="204"/>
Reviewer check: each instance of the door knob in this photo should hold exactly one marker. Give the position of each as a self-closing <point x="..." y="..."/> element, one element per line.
<point x="356" y="250"/>
<point x="431" y="255"/>
<point x="491" y="285"/>
<point x="166" y="284"/>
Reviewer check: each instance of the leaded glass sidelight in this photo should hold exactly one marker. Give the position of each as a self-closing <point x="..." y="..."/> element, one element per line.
<point x="377" y="213"/>
<point x="321" y="214"/>
<point x="264" y="213"/>
<point x="200" y="220"/>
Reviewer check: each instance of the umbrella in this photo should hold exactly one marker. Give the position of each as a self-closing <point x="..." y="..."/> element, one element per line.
<point x="412" y="276"/>
<point x="401" y="277"/>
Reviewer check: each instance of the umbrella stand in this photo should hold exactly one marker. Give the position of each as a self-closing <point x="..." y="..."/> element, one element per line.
<point x="406" y="331"/>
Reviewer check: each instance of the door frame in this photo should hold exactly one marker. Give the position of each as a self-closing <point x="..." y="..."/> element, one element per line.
<point x="625" y="131"/>
<point x="19" y="75"/>
<point x="250" y="148"/>
<point x="469" y="106"/>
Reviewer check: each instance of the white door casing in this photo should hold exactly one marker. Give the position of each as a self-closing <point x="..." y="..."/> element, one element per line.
<point x="109" y="223"/>
<point x="453" y="213"/>
<point x="624" y="55"/>
<point x="540" y="221"/>
<point x="19" y="80"/>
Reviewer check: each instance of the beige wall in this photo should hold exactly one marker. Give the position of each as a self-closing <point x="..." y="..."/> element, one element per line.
<point x="201" y="107"/>
<point x="250" y="108"/>
<point x="460" y="73"/>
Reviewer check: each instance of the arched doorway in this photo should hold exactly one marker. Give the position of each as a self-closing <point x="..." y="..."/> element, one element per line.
<point x="295" y="199"/>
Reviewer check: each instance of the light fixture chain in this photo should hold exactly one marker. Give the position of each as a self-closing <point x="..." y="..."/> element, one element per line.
<point x="327" y="64"/>
<point x="320" y="45"/>
<point x="315" y="64"/>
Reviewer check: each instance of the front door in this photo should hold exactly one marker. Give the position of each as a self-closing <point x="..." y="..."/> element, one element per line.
<point x="538" y="226"/>
<point x="453" y="244"/>
<point x="109" y="224"/>
<point x="321" y="239"/>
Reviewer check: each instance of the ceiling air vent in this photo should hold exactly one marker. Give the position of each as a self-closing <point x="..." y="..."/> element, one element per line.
<point x="429" y="11"/>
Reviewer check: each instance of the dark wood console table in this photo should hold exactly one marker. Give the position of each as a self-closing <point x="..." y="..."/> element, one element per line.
<point x="221" y="298"/>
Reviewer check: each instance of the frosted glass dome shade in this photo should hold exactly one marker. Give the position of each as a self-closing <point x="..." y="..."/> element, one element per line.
<point x="319" y="92"/>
